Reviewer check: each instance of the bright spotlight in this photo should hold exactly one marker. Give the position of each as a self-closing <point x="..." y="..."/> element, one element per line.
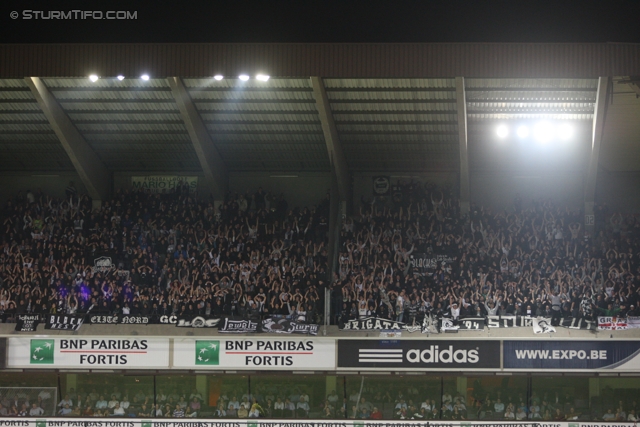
<point x="262" y="77"/>
<point x="502" y="131"/>
<point x="218" y="77"/>
<point x="145" y="77"/>
<point x="243" y="77"/>
<point x="543" y="132"/>
<point x="93" y="78"/>
<point x="523" y="131"/>
<point x="565" y="131"/>
<point x="120" y="77"/>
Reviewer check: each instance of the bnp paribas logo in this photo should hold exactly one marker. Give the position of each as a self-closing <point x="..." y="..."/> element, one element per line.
<point x="207" y="352"/>
<point x="42" y="352"/>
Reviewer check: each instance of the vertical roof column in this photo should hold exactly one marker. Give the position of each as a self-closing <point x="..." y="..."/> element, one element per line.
<point x="599" y="117"/>
<point x="215" y="171"/>
<point x="93" y="173"/>
<point x="461" y="108"/>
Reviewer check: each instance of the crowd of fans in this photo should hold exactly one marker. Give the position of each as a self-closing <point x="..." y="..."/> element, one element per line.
<point x="171" y="255"/>
<point x="536" y="261"/>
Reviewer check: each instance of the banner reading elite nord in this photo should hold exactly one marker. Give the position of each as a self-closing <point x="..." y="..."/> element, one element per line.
<point x="419" y="354"/>
<point x="572" y="355"/>
<point x="91" y="353"/>
<point x="245" y="353"/>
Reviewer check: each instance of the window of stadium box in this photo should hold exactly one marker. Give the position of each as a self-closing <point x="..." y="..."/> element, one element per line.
<point x="18" y="389"/>
<point x="560" y="398"/>
<point x="395" y="397"/>
<point x="293" y="396"/>
<point x="106" y="393"/>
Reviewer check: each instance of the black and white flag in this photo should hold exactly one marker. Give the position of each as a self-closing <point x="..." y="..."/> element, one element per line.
<point x="285" y="326"/>
<point x="543" y="325"/>
<point x="238" y="326"/>
<point x="27" y="322"/>
<point x="64" y="322"/>
<point x="196" y="322"/>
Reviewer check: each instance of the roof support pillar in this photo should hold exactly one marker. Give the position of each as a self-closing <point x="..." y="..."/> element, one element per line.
<point x="461" y="102"/>
<point x="93" y="173"/>
<point x="599" y="116"/>
<point x="334" y="147"/>
<point x="213" y="167"/>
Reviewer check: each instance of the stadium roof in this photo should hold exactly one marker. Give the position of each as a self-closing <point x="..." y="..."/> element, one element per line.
<point x="387" y="117"/>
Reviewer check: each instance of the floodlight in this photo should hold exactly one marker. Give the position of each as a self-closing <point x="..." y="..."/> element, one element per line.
<point x="243" y="77"/>
<point x="121" y="77"/>
<point x="502" y="131"/>
<point x="543" y="132"/>
<point x="262" y="77"/>
<point x="565" y="131"/>
<point x="93" y="78"/>
<point x="218" y="77"/>
<point x="145" y="77"/>
<point x="523" y="131"/>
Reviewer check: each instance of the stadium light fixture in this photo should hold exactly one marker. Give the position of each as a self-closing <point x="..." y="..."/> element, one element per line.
<point x="262" y="77"/>
<point x="93" y="78"/>
<point x="565" y="131"/>
<point x="523" y="131"/>
<point x="120" y="77"/>
<point x="145" y="77"/>
<point x="243" y="77"/>
<point x="502" y="131"/>
<point x="543" y="132"/>
<point x="218" y="77"/>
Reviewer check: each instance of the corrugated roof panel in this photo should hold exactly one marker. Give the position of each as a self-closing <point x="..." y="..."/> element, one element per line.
<point x="378" y="117"/>
<point x="395" y="138"/>
<point x="7" y="96"/>
<point x="15" y="107"/>
<point x="30" y="146"/>
<point x="390" y="127"/>
<point x="514" y="96"/>
<point x="97" y="96"/>
<point x="135" y="127"/>
<point x="209" y="107"/>
<point x="28" y="136"/>
<point x="251" y="95"/>
<point x="141" y="106"/>
<point x="79" y="117"/>
<point x="262" y="127"/>
<point x="395" y="108"/>
<point x="13" y="83"/>
<point x="20" y="117"/>
<point x="301" y="139"/>
<point x="389" y="83"/>
<point x="409" y="96"/>
<point x="136" y="137"/>
<point x="536" y="84"/>
<point x="260" y="116"/>
<point x="237" y="84"/>
<point x="526" y="116"/>
<point x="105" y="82"/>
<point x="103" y="146"/>
<point x="8" y="127"/>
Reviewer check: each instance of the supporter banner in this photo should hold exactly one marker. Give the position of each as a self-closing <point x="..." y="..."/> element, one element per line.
<point x="612" y="323"/>
<point x="103" y="264"/>
<point x="571" y="355"/>
<point x="419" y="354"/>
<point x="64" y="322"/>
<point x="381" y="185"/>
<point x="168" y="320"/>
<point x="285" y="326"/>
<point x="246" y="353"/>
<point x="542" y="325"/>
<point x="27" y="322"/>
<point x="88" y="353"/>
<point x="98" y="319"/>
<point x="466" y="324"/>
<point x="261" y="422"/>
<point x="238" y="326"/>
<point x="575" y="323"/>
<point x="509" y="321"/>
<point x="633" y="322"/>
<point x="196" y="322"/>
<point x="163" y="183"/>
<point x="375" y="323"/>
<point x="431" y="261"/>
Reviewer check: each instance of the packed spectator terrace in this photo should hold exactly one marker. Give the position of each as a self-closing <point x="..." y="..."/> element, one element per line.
<point x="175" y="255"/>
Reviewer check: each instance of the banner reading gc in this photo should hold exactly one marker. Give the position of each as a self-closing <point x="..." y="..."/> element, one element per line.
<point x="572" y="355"/>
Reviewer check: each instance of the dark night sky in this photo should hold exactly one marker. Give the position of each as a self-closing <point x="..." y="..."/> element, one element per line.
<point x="328" y="21"/>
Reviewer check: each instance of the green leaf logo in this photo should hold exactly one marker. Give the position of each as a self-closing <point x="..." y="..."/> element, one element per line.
<point x="41" y="423"/>
<point x="41" y="352"/>
<point x="207" y="352"/>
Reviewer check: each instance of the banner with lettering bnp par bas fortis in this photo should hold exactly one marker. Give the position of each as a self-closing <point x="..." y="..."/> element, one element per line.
<point x="268" y="353"/>
<point x="93" y="353"/>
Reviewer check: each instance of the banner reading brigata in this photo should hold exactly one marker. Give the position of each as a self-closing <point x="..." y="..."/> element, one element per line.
<point x="571" y="355"/>
<point x="94" y="353"/>
<point x="163" y="183"/>
<point x="419" y="354"/>
<point x="271" y="354"/>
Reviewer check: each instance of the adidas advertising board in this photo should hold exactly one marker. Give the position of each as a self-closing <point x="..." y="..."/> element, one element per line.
<point x="419" y="354"/>
<point x="572" y="355"/>
<point x="269" y="354"/>
<point x="88" y="353"/>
